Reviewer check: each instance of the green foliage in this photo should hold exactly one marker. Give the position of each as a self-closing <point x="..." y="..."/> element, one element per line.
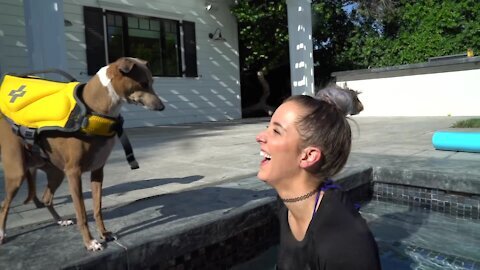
<point x="418" y="30"/>
<point x="375" y="34"/>
<point x="263" y="31"/>
<point x="469" y="123"/>
<point x="331" y="29"/>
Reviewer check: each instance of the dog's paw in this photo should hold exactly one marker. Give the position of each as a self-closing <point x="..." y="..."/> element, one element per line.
<point x="94" y="246"/>
<point x="66" y="222"/>
<point x="109" y="236"/>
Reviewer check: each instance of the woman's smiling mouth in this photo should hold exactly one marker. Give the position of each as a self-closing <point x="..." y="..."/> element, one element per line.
<point x="266" y="157"/>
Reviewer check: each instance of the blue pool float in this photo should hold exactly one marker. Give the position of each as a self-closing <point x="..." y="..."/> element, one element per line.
<point x="457" y="141"/>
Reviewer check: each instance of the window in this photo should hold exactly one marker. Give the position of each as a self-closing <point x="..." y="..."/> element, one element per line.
<point x="156" y="40"/>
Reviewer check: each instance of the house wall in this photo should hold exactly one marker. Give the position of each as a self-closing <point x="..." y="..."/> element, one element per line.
<point x="13" y="41"/>
<point x="214" y="95"/>
<point x="443" y="88"/>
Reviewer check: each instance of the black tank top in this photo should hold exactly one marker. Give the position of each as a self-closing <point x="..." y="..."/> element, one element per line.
<point x="337" y="238"/>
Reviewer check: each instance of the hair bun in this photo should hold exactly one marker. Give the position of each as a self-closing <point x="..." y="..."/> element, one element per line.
<point x="345" y="99"/>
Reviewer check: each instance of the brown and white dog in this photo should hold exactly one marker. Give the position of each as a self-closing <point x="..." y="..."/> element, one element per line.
<point x="125" y="80"/>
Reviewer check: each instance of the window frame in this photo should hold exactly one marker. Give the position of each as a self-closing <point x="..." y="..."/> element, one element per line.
<point x="95" y="30"/>
<point x="126" y="39"/>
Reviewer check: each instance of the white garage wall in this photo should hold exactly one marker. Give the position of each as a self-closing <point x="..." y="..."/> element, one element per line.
<point x="455" y="93"/>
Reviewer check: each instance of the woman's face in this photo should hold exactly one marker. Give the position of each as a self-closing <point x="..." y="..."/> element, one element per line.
<point x="280" y="145"/>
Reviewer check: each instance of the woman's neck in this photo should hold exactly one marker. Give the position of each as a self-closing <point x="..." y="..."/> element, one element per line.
<point x="300" y="212"/>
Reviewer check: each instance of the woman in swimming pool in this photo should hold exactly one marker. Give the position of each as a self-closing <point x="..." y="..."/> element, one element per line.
<point x="307" y="141"/>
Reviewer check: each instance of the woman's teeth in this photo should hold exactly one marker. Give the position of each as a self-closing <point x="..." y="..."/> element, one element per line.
<point x="265" y="155"/>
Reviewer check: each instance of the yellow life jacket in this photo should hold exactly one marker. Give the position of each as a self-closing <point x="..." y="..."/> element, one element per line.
<point x="40" y="104"/>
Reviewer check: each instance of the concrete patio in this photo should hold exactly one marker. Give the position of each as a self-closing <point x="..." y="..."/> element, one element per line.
<point x="192" y="174"/>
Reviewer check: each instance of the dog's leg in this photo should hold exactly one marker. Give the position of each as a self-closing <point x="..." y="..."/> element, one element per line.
<point x="14" y="169"/>
<point x="14" y="173"/>
<point x="74" y="176"/>
<point x="32" y="188"/>
<point x="55" y="178"/>
<point x="96" y="185"/>
<point x="12" y="184"/>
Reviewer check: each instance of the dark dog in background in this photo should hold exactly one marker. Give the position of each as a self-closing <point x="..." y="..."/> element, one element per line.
<point x="345" y="98"/>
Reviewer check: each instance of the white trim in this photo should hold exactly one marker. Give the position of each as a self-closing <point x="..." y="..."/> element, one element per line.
<point x="182" y="49"/>
<point x="125" y="8"/>
<point x="105" y="35"/>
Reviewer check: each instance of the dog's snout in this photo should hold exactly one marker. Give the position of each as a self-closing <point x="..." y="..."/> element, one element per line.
<point x="149" y="100"/>
<point x="154" y="102"/>
<point x="157" y="103"/>
<point x="160" y="107"/>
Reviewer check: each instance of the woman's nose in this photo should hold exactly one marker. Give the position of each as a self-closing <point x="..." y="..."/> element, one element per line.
<point x="260" y="137"/>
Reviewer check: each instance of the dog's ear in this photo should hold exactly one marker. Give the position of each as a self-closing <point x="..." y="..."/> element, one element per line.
<point x="126" y="65"/>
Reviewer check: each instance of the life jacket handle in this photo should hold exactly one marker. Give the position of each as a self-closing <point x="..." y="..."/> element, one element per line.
<point x="52" y="70"/>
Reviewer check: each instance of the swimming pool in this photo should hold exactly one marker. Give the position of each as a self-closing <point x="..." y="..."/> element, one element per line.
<point x="415" y="238"/>
<point x="411" y="238"/>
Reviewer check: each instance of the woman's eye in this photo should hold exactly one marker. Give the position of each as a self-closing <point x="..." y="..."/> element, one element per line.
<point x="274" y="130"/>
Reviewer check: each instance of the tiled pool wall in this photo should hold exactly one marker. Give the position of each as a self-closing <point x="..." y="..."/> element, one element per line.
<point x="229" y="252"/>
<point x="450" y="192"/>
<point x="459" y="205"/>
<point x="234" y="241"/>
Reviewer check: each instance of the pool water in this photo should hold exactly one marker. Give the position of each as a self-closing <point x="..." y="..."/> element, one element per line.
<point x="415" y="238"/>
<point x="410" y="238"/>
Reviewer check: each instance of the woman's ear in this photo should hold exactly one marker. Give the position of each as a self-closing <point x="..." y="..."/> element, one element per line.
<point x="310" y="156"/>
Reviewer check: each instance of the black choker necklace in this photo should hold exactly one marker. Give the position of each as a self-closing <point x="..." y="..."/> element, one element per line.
<point x="300" y="198"/>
